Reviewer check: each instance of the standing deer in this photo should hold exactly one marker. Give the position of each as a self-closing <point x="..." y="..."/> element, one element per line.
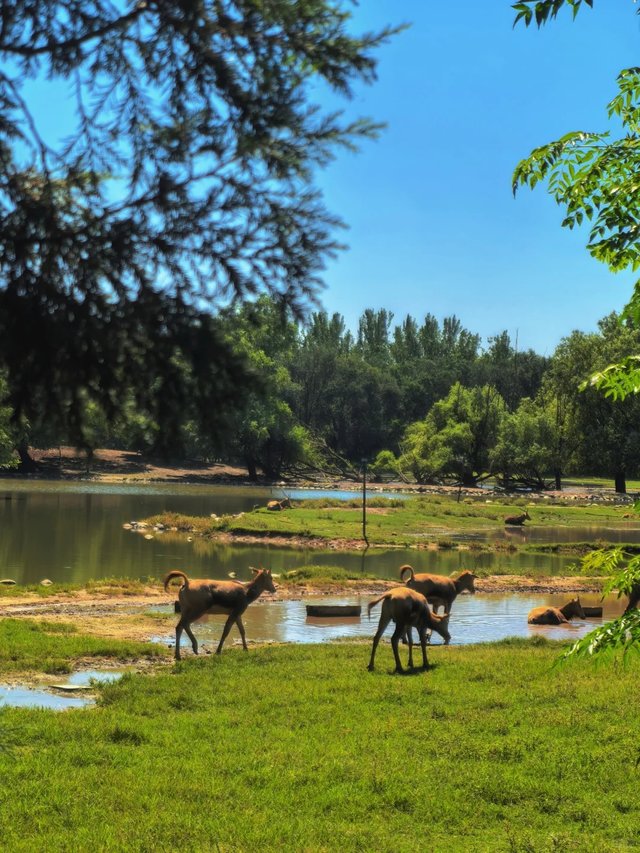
<point x="408" y="609"/>
<point x="517" y="519"/>
<point x="231" y="598"/>
<point x="437" y="589"/>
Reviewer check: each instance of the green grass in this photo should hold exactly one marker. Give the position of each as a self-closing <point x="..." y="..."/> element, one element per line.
<point x="29" y="645"/>
<point x="300" y="748"/>
<point x="107" y="586"/>
<point x="393" y="522"/>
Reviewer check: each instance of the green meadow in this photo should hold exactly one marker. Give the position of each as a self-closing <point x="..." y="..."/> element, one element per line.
<point x="399" y="522"/>
<point x="300" y="748"/>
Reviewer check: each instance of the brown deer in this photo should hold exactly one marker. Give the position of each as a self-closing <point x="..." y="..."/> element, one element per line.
<point x="408" y="609"/>
<point x="231" y="598"/>
<point x="517" y="519"/>
<point x="276" y="506"/>
<point x="556" y="615"/>
<point x="437" y="589"/>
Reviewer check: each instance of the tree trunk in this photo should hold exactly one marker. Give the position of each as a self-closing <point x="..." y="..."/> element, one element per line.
<point x="27" y="464"/>
<point x="558" y="476"/>
<point x="621" y="482"/>
<point x="251" y="468"/>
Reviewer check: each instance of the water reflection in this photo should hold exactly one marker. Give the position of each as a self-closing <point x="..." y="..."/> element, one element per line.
<point x="72" y="532"/>
<point x="26" y="697"/>
<point x="479" y="618"/>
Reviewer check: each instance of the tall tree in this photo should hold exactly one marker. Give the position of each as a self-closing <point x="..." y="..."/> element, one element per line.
<point x="455" y="440"/>
<point x="184" y="179"/>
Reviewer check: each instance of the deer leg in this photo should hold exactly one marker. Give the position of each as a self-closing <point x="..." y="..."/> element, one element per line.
<point x="227" y="627"/>
<point x="394" y="645"/>
<point x="241" y="629"/>
<point x="384" y="621"/>
<point x="409" y="634"/>
<point x="183" y="625"/>
<point x="190" y="634"/>
<point x="423" y="644"/>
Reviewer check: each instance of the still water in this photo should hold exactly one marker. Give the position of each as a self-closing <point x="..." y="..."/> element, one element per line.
<point x="480" y="618"/>
<point x="73" y="532"/>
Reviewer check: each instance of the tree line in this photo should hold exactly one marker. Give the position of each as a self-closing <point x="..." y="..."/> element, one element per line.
<point x="419" y="400"/>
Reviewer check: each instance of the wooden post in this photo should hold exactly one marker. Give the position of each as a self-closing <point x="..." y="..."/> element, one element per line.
<point x="364" y="501"/>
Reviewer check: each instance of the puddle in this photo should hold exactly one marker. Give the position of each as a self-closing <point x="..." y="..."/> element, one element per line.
<point x="56" y="697"/>
<point x="84" y="678"/>
<point x="479" y="618"/>
<point x="26" y="697"/>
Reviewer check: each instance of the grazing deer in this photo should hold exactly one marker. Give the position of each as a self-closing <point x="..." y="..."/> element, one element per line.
<point x="556" y="615"/>
<point x="231" y="598"/>
<point x="408" y="609"/>
<point x="276" y="506"/>
<point x="517" y="519"/>
<point x="437" y="589"/>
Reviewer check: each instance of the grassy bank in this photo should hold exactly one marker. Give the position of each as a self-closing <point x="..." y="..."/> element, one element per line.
<point x="415" y="522"/>
<point x="27" y="645"/>
<point x="300" y="748"/>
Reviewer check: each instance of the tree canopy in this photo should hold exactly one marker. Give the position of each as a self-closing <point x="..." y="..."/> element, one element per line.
<point x="183" y="181"/>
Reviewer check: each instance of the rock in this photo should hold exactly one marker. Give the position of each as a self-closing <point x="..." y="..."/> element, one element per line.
<point x="7" y="582"/>
<point x="46" y="582"/>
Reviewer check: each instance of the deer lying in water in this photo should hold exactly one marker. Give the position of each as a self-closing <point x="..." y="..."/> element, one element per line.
<point x="275" y="506"/>
<point x="556" y="615"/>
<point x="517" y="519"/>
<point x="231" y="598"/>
<point x="437" y="589"/>
<point x="408" y="609"/>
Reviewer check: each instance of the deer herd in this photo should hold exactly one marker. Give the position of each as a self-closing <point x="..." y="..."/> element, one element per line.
<point x="413" y="604"/>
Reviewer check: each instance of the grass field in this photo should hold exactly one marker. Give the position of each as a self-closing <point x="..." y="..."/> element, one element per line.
<point x="406" y="523"/>
<point x="300" y="748"/>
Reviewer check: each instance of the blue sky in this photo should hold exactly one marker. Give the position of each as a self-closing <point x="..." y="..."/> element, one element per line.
<point x="433" y="225"/>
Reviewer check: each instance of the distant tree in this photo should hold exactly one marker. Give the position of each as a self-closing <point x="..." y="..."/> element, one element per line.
<point x="8" y="457"/>
<point x="454" y="441"/>
<point x="526" y="450"/>
<point x="514" y="374"/>
<point x="183" y="180"/>
<point x="372" y="342"/>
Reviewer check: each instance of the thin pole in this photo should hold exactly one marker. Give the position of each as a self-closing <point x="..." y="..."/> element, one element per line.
<point x="364" y="501"/>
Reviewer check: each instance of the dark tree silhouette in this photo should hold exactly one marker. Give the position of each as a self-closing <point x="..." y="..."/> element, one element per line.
<point x="184" y="182"/>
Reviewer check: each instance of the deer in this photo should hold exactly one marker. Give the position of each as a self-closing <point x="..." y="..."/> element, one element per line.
<point x="276" y="506"/>
<point x="517" y="519"/>
<point x="556" y="615"/>
<point x="437" y="589"/>
<point x="408" y="609"/>
<point x="230" y="598"/>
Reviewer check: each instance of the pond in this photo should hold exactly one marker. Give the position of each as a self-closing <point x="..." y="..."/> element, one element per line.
<point x="476" y="618"/>
<point x="72" y="532"/>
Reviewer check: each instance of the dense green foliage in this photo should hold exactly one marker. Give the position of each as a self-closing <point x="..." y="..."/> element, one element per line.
<point x="418" y="402"/>
<point x="178" y="178"/>
<point x="300" y="748"/>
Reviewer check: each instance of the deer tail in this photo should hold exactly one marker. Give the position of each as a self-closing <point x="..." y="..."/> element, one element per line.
<point x="175" y="574"/>
<point x="375" y="601"/>
<point x="403" y="570"/>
